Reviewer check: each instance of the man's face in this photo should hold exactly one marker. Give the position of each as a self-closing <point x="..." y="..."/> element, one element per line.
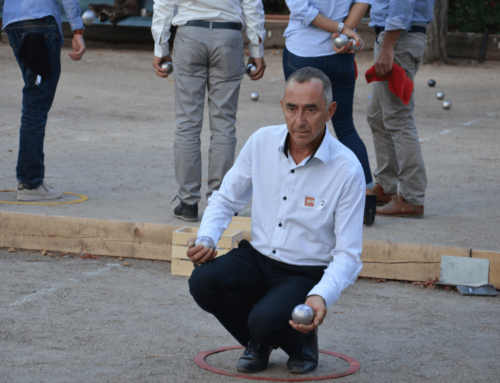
<point x="306" y="112"/>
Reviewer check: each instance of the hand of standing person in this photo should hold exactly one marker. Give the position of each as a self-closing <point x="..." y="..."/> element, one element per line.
<point x="317" y="303"/>
<point x="385" y="58"/>
<point x="261" y="67"/>
<point x="79" y="49"/>
<point x="156" y="64"/>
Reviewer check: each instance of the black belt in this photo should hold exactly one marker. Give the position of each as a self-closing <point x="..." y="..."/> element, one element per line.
<point x="214" y="24"/>
<point x="414" y="28"/>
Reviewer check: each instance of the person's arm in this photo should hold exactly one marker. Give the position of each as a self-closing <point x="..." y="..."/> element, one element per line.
<point x="163" y="13"/>
<point x="346" y="265"/>
<point x="356" y="13"/>
<point x="253" y="14"/>
<point x="234" y="194"/>
<point x="385" y="58"/>
<point x="72" y="10"/>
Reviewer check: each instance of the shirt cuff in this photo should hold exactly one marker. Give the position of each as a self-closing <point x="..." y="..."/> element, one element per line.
<point x="256" y="51"/>
<point x="395" y="23"/>
<point x="326" y="292"/>
<point x="162" y="50"/>
<point x="77" y="24"/>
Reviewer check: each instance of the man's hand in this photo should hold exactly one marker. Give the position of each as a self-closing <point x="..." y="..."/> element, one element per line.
<point x="385" y="59"/>
<point x="199" y="254"/>
<point x="261" y="67"/>
<point x="156" y="64"/>
<point x="318" y="305"/>
<point x="78" y="48"/>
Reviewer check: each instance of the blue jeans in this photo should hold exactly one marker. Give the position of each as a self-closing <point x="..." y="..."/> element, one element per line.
<point x="340" y="71"/>
<point x="37" y="99"/>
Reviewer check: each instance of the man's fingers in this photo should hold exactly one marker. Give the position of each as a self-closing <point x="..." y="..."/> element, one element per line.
<point x="303" y="327"/>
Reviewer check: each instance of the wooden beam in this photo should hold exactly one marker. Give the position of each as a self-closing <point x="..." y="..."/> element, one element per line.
<point x="86" y="235"/>
<point x="405" y="261"/>
<point x="494" y="257"/>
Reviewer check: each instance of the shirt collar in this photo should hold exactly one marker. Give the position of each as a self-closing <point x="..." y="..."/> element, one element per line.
<point x="322" y="152"/>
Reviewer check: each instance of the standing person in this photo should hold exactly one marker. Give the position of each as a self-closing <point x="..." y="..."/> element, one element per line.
<point x="208" y="54"/>
<point x="400" y="26"/>
<point x="308" y="194"/>
<point x="309" y="43"/>
<point x="35" y="35"/>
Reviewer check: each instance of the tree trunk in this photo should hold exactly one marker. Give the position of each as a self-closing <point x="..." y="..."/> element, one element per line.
<point x="436" y="34"/>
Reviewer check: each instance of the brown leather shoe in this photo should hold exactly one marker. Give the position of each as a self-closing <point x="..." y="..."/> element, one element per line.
<point x="382" y="198"/>
<point x="398" y="207"/>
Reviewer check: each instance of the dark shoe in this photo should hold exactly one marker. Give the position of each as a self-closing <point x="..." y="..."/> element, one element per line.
<point x="186" y="212"/>
<point x="307" y="360"/>
<point x="255" y="358"/>
<point x="382" y="197"/>
<point x="399" y="207"/>
<point x="370" y="209"/>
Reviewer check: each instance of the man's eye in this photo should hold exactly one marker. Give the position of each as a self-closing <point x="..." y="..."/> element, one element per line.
<point x="312" y="110"/>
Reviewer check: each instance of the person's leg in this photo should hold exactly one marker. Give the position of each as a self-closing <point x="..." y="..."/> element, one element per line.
<point x="387" y="170"/>
<point x="288" y="286"/>
<point x="225" y="73"/>
<point x="190" y="60"/>
<point x="340" y="70"/>
<point x="37" y="99"/>
<point x="229" y="286"/>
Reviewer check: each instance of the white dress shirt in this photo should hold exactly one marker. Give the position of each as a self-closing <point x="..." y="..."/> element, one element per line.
<point x="250" y="13"/>
<point x="306" y="40"/>
<point x="308" y="214"/>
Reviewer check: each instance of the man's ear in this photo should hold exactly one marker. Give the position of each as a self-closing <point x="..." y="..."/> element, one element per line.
<point x="331" y="110"/>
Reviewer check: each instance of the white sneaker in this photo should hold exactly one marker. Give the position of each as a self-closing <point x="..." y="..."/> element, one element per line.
<point x="43" y="192"/>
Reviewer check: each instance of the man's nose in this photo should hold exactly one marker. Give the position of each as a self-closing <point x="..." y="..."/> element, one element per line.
<point x="301" y="117"/>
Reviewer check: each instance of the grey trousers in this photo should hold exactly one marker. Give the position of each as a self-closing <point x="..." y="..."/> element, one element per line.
<point x="212" y="60"/>
<point x="397" y="147"/>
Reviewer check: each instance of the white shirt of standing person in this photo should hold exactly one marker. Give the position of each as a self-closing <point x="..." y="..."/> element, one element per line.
<point x="250" y="13"/>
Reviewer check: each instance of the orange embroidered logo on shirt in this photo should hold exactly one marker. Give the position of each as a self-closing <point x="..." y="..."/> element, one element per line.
<point x="309" y="202"/>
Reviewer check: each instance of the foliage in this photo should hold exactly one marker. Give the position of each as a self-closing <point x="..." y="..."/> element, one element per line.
<point x="275" y="7"/>
<point x="474" y="15"/>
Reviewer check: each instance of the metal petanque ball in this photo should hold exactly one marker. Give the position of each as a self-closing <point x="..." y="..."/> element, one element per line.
<point x="250" y="69"/>
<point x="303" y="314"/>
<point x="440" y="95"/>
<point x="446" y="105"/>
<point x="354" y="47"/>
<point x="88" y="18"/>
<point x="341" y="41"/>
<point x="431" y="83"/>
<point x="254" y="96"/>
<point x="205" y="242"/>
<point x="168" y="66"/>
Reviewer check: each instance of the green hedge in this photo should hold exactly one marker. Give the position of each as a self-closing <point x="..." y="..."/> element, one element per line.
<point x="474" y="16"/>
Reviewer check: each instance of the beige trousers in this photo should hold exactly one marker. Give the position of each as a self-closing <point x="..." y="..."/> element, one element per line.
<point x="397" y="146"/>
<point x="209" y="60"/>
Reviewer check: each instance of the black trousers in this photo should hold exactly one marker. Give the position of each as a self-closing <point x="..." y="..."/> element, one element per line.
<point x="253" y="295"/>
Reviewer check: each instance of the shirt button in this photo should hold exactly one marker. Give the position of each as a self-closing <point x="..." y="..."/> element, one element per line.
<point x="280" y="225"/>
<point x="274" y="251"/>
<point x="293" y="170"/>
<point x="284" y="198"/>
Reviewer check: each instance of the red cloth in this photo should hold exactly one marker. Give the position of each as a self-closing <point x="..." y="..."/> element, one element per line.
<point x="399" y="83"/>
<point x="355" y="71"/>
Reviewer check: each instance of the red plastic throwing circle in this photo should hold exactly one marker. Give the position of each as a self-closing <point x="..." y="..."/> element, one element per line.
<point x="199" y="359"/>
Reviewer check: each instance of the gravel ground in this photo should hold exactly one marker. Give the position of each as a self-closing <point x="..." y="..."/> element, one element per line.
<point x="96" y="320"/>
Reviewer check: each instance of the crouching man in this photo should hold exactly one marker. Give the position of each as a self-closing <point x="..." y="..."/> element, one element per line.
<point x="307" y="219"/>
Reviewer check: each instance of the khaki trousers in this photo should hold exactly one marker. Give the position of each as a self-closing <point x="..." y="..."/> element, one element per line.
<point x="209" y="60"/>
<point x="397" y="146"/>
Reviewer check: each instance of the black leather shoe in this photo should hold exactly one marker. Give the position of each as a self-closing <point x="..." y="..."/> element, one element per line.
<point x="255" y="358"/>
<point x="307" y="360"/>
<point x="186" y="212"/>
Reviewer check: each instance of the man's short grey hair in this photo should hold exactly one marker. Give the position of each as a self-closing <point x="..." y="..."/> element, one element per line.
<point x="307" y="74"/>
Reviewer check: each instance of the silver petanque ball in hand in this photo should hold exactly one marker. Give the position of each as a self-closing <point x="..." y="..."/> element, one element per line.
<point x="354" y="47"/>
<point x="205" y="242"/>
<point x="88" y="18"/>
<point x="254" y="96"/>
<point x="168" y="66"/>
<point x="341" y="41"/>
<point x="303" y="314"/>
<point x="440" y="95"/>
<point x="446" y="105"/>
<point x="250" y="69"/>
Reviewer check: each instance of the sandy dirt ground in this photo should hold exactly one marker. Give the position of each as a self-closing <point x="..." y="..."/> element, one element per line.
<point x="96" y="320"/>
<point x="110" y="137"/>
